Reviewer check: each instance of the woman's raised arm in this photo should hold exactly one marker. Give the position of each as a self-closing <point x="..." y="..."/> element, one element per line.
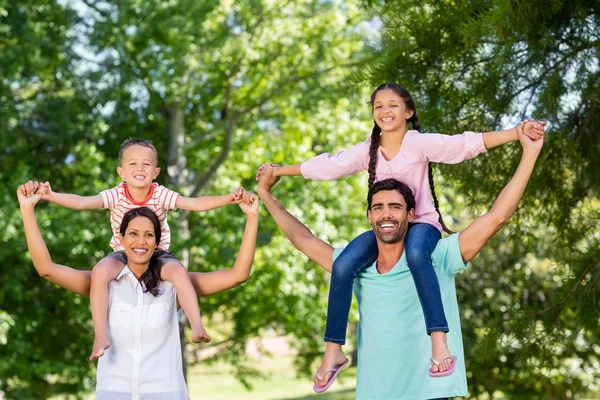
<point x="71" y="279"/>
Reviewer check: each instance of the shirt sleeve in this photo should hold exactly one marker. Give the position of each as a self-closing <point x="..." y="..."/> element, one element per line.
<point x="167" y="199"/>
<point x="110" y="197"/>
<point x="450" y="149"/>
<point x="347" y="162"/>
<point x="447" y="256"/>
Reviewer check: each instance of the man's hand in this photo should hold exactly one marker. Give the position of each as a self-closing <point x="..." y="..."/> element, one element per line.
<point x="29" y="194"/>
<point x="529" y="144"/>
<point x="533" y="129"/>
<point x="266" y="177"/>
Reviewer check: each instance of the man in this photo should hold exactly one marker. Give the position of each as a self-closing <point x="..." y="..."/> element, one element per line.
<point x="391" y="343"/>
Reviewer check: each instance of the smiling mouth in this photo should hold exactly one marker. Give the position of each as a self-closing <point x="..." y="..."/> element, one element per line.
<point x="387" y="119"/>
<point x="139" y="177"/>
<point x="387" y="226"/>
<point x="140" y="252"/>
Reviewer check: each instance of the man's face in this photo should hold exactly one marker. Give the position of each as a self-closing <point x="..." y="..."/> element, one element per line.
<point x="389" y="217"/>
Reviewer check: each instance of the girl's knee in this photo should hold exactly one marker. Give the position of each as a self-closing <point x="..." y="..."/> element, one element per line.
<point x="417" y="256"/>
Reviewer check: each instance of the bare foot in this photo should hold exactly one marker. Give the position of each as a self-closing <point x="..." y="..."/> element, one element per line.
<point x="439" y="350"/>
<point x="199" y="335"/>
<point x="100" y="345"/>
<point x="334" y="356"/>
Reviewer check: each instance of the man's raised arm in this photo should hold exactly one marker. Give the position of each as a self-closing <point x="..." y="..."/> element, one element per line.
<point x="476" y="235"/>
<point x="300" y="236"/>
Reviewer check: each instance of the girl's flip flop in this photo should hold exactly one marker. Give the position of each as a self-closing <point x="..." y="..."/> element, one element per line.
<point x="336" y="370"/>
<point x="447" y="372"/>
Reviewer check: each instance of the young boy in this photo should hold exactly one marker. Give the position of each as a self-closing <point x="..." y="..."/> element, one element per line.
<point x="138" y="169"/>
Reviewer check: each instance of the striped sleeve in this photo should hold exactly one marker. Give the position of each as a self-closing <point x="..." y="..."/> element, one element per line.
<point x="167" y="199"/>
<point x="110" y="197"/>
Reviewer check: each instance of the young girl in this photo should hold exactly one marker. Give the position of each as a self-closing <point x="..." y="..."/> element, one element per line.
<point x="393" y="151"/>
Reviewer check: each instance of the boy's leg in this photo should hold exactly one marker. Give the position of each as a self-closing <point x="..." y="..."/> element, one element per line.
<point x="106" y="270"/>
<point x="174" y="272"/>
<point x="357" y="256"/>
<point x="421" y="240"/>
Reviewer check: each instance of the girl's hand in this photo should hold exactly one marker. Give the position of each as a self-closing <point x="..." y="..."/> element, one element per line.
<point x="28" y="194"/>
<point x="265" y="170"/>
<point x="46" y="191"/>
<point x="249" y="205"/>
<point x="533" y="129"/>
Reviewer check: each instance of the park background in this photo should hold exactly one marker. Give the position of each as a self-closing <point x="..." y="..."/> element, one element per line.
<point x="221" y="87"/>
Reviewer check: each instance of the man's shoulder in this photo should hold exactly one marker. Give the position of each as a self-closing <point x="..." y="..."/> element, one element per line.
<point x="447" y="255"/>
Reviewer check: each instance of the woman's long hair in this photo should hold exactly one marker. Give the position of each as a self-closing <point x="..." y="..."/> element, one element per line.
<point x="376" y="139"/>
<point x="150" y="278"/>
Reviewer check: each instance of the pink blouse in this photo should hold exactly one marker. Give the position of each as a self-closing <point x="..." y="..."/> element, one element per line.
<point x="408" y="166"/>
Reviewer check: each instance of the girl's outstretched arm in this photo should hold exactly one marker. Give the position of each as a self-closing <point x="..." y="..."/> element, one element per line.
<point x="531" y="128"/>
<point x="288" y="170"/>
<point x="71" y="279"/>
<point x="206" y="283"/>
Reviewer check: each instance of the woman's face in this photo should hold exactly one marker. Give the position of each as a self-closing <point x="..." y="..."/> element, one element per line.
<point x="389" y="111"/>
<point x="139" y="240"/>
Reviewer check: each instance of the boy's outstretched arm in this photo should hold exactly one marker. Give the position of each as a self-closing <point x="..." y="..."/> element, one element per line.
<point x="206" y="203"/>
<point x="71" y="279"/>
<point x="475" y="236"/>
<point x="206" y="283"/>
<point x="72" y="201"/>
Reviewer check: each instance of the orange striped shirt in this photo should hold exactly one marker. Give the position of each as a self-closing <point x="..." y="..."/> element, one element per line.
<point x="159" y="200"/>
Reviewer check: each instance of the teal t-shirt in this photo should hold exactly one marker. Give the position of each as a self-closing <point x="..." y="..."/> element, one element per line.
<point x="393" y="346"/>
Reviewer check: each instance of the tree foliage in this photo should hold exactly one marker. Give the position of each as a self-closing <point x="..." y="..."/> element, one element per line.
<point x="531" y="301"/>
<point x="219" y="87"/>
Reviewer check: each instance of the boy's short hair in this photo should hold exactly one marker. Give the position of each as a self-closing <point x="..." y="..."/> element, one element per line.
<point x="139" y="142"/>
<point x="392" y="184"/>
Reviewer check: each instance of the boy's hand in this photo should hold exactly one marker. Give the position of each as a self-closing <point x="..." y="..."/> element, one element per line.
<point x="28" y="194"/>
<point x="236" y="196"/>
<point x="249" y="204"/>
<point x="533" y="129"/>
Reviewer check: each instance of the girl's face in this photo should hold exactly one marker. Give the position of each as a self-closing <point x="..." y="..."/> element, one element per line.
<point x="139" y="240"/>
<point x="389" y="111"/>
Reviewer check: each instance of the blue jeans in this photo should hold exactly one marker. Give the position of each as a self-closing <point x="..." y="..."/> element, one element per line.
<point x="361" y="253"/>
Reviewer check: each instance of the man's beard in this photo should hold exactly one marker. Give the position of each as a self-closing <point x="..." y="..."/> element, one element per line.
<point x="391" y="237"/>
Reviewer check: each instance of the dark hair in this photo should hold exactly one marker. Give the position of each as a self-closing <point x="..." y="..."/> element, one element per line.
<point x="392" y="184"/>
<point x="151" y="277"/>
<point x="376" y="139"/>
<point x="136" y="142"/>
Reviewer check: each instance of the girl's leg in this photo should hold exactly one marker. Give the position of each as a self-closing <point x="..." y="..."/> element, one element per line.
<point x="176" y="273"/>
<point x="105" y="271"/>
<point x="420" y="243"/>
<point x="358" y="255"/>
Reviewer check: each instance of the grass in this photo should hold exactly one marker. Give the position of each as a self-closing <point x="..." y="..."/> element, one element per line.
<point x="217" y="383"/>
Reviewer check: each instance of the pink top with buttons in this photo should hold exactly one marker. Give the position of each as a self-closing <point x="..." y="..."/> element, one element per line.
<point x="408" y="166"/>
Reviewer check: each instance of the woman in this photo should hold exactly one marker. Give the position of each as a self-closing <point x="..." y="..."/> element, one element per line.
<point x="145" y="359"/>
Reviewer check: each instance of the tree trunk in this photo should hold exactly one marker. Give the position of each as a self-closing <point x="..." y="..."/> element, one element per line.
<point x="176" y="180"/>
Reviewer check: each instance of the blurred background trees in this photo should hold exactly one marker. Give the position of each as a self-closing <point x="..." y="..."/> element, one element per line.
<point x="221" y="87"/>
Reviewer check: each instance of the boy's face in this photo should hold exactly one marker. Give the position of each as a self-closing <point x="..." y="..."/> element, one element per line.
<point x="138" y="166"/>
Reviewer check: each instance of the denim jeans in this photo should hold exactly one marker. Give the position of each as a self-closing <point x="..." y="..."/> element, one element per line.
<point x="361" y="253"/>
